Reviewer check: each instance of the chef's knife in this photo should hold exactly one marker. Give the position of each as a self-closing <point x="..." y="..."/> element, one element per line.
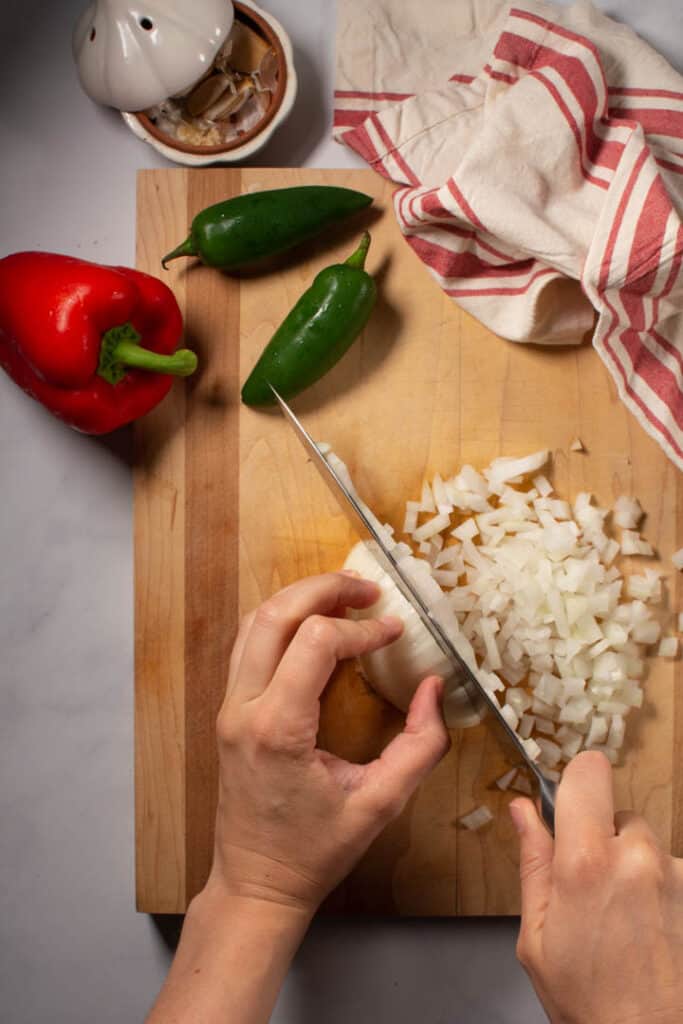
<point x="357" y="513"/>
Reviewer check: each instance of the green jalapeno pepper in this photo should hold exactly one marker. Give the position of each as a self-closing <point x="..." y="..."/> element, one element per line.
<point x="317" y="332"/>
<point x="242" y="230"/>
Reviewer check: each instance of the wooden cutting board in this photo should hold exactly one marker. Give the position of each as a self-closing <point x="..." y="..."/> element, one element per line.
<point x="227" y="510"/>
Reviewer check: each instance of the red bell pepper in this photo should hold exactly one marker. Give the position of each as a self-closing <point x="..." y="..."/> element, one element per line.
<point x="95" y="345"/>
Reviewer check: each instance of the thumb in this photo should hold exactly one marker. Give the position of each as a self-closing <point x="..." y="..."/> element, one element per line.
<point x="535" y="864"/>
<point x="411" y="755"/>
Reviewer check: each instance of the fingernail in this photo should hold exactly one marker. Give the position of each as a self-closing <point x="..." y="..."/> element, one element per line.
<point x="350" y="572"/>
<point x="393" y="622"/>
<point x="518" y="817"/>
<point x="438" y="685"/>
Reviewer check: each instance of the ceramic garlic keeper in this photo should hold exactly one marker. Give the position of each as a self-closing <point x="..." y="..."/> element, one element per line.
<point x="204" y="81"/>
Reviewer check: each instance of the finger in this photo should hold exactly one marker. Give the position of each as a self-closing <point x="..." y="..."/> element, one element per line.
<point x="392" y="779"/>
<point x="628" y="824"/>
<point x="277" y="620"/>
<point x="584" y="812"/>
<point x="312" y="656"/>
<point x="536" y="850"/>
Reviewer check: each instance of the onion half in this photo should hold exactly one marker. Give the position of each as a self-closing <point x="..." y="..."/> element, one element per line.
<point x="396" y="671"/>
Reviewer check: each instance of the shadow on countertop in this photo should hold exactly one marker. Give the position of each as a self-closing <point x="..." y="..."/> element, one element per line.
<point x="168" y="928"/>
<point x="355" y="969"/>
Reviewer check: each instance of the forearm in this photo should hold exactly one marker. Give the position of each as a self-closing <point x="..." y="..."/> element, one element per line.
<point x="231" y="961"/>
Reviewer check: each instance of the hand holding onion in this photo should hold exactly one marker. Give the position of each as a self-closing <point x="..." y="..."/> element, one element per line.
<point x="602" y="907"/>
<point x="292" y="819"/>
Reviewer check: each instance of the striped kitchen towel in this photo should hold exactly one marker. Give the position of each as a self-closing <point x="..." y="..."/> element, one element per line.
<point x="540" y="154"/>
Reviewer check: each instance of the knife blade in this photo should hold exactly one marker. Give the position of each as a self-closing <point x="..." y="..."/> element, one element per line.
<point x="366" y="524"/>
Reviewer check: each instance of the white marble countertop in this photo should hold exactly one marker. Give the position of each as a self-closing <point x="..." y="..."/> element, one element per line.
<point x="72" y="948"/>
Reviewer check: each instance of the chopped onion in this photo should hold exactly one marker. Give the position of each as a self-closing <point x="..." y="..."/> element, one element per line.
<point x="510" y="716"/>
<point x="615" y="738"/>
<point x="668" y="647"/>
<point x="633" y="544"/>
<point x="543" y="486"/>
<point x="505" y="469"/>
<point x="540" y="707"/>
<point x="477" y="818"/>
<point x="410" y="521"/>
<point x="570" y="748"/>
<point x="449" y="556"/>
<point x="632" y="696"/>
<point x="427" y="499"/>
<point x="532" y="748"/>
<point x="518" y="699"/>
<point x="445" y="578"/>
<point x="646" y="632"/>
<point x="643" y="588"/>
<point x="550" y="753"/>
<point x="505" y="781"/>
<point x="610" y="551"/>
<point x="441" y="496"/>
<point x="576" y="445"/>
<point x="576" y="710"/>
<point x="522" y="784"/>
<point x="627" y="512"/>
<point x="526" y="725"/>
<point x="467" y="530"/>
<point x="431" y="527"/>
<point x="609" y="752"/>
<point x="532" y="597"/>
<point x="597" y="733"/>
<point x="613" y="707"/>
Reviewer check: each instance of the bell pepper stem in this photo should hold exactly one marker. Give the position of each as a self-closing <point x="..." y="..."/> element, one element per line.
<point x="186" y="248"/>
<point x="121" y="349"/>
<point x="180" y="363"/>
<point x="357" y="258"/>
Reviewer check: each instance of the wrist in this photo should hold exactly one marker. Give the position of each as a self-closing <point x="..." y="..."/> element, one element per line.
<point x="222" y="905"/>
<point x="234" y="952"/>
<point x="254" y="878"/>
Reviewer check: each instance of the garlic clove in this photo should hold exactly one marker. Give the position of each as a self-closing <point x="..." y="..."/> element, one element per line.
<point x="208" y="92"/>
<point x="229" y="103"/>
<point x="267" y="71"/>
<point x="251" y="113"/>
<point x="247" y="48"/>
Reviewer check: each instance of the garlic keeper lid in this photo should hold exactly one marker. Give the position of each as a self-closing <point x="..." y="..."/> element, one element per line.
<point x="135" y="55"/>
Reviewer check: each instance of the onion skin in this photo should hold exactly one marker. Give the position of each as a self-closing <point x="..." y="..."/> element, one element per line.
<point x="395" y="671"/>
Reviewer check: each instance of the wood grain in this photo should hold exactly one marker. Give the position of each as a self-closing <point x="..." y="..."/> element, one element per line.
<point x="159" y="478"/>
<point x="228" y="510"/>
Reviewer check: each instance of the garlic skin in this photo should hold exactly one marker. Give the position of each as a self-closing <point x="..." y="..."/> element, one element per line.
<point x="396" y="671"/>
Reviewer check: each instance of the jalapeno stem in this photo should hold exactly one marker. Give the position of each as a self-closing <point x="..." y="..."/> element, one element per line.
<point x="357" y="258"/>
<point x="186" y="248"/>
